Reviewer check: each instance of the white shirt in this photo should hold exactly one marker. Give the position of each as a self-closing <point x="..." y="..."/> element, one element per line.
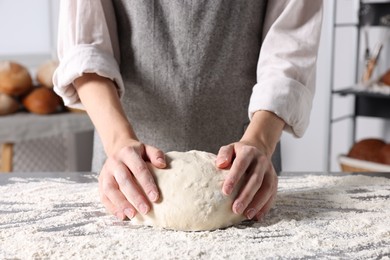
<point x="88" y="43"/>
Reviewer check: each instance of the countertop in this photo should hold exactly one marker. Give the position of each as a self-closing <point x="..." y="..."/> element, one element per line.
<point x="316" y="215"/>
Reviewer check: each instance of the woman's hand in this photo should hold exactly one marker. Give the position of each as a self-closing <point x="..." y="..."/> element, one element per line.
<point x="260" y="181"/>
<point x="125" y="183"/>
<point x="250" y="161"/>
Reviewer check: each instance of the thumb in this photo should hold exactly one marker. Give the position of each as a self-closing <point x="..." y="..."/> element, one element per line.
<point x="156" y="156"/>
<point x="225" y="156"/>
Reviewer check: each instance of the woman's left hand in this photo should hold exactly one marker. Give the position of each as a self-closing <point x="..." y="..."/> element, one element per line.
<point x="254" y="167"/>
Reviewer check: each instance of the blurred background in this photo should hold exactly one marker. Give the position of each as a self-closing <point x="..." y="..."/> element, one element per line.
<point x="28" y="32"/>
<point x="58" y="141"/>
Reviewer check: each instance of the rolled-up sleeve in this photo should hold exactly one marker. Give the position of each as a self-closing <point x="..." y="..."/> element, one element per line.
<point x="87" y="43"/>
<point x="287" y="62"/>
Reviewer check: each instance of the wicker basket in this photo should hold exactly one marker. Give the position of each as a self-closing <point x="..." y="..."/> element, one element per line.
<point x="348" y="164"/>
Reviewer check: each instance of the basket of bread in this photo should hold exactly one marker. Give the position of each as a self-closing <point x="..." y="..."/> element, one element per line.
<point x="19" y="91"/>
<point x="367" y="155"/>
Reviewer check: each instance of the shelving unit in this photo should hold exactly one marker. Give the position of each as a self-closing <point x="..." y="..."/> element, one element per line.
<point x="366" y="103"/>
<point x="25" y="127"/>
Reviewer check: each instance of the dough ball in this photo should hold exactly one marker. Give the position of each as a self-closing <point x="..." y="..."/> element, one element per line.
<point x="15" y="79"/>
<point x="191" y="197"/>
<point x="367" y="149"/>
<point x="8" y="105"/>
<point x="42" y="101"/>
<point x="45" y="73"/>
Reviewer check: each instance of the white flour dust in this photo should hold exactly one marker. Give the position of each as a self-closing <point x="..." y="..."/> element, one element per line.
<point x="314" y="217"/>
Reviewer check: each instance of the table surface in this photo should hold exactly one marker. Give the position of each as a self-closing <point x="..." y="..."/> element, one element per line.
<point x="316" y="215"/>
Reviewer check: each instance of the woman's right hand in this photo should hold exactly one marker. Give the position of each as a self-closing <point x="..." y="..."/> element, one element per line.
<point x="126" y="185"/>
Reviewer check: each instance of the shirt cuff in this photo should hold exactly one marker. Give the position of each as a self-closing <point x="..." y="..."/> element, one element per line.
<point x="84" y="59"/>
<point x="286" y="98"/>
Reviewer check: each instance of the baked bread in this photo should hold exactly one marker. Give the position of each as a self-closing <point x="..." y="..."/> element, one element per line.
<point x="384" y="154"/>
<point x="385" y="79"/>
<point x="42" y="101"/>
<point x="15" y="79"/>
<point x="8" y="105"/>
<point x="367" y="150"/>
<point x="45" y="73"/>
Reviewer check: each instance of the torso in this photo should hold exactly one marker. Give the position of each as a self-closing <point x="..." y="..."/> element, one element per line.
<point x="189" y="68"/>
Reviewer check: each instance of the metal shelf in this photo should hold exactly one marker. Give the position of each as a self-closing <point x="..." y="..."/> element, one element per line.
<point x="366" y="104"/>
<point x="357" y="92"/>
<point x="374" y="13"/>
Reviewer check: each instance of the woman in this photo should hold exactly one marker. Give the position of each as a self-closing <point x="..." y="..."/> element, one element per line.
<point x="168" y="75"/>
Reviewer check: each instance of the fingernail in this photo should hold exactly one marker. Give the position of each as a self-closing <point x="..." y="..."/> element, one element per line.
<point x="228" y="189"/>
<point x="153" y="196"/>
<point x="143" y="208"/>
<point x="250" y="213"/>
<point x="130" y="213"/>
<point x="161" y="160"/>
<point x="221" y="161"/>
<point x="239" y="208"/>
<point x="119" y="215"/>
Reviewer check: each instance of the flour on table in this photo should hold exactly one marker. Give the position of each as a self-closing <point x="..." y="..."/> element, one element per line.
<point x="314" y="217"/>
<point x="191" y="194"/>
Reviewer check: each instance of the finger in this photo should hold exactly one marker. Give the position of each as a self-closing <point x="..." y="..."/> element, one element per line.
<point x="114" y="200"/>
<point x="141" y="172"/>
<point x="107" y="203"/>
<point x="130" y="189"/>
<point x="225" y="156"/>
<point x="156" y="156"/>
<point x="263" y="195"/>
<point x="267" y="207"/>
<point x="258" y="202"/>
<point x="249" y="189"/>
<point x="112" y="209"/>
<point x="240" y="165"/>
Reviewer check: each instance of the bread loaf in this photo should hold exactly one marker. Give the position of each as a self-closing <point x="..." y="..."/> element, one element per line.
<point x="385" y="79"/>
<point x="45" y="73"/>
<point x="367" y="150"/>
<point x="384" y="154"/>
<point x="42" y="100"/>
<point x="15" y="79"/>
<point x="8" y="105"/>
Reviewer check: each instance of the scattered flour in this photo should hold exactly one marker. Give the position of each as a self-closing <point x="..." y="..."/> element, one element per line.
<point x="314" y="217"/>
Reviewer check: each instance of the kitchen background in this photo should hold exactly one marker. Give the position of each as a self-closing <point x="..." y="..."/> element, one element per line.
<point x="28" y="32"/>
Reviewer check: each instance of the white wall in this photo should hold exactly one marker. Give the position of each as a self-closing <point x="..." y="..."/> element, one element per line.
<point x="24" y="27"/>
<point x="308" y="152"/>
<point x="28" y="30"/>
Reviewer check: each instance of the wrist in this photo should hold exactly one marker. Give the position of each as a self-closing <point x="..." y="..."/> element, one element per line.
<point x="116" y="139"/>
<point x="266" y="148"/>
<point x="264" y="131"/>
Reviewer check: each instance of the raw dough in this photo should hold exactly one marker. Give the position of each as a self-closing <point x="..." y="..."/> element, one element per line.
<point x="191" y="195"/>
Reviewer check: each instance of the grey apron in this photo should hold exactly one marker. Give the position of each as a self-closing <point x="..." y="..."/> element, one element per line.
<point x="189" y="67"/>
